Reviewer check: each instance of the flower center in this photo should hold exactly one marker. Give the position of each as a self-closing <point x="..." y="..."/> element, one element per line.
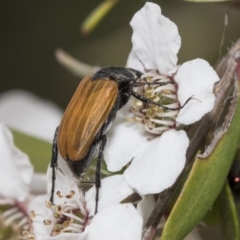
<point x="162" y="90"/>
<point x="69" y="216"/>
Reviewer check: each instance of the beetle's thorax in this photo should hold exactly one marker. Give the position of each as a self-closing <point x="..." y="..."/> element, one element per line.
<point x="123" y="76"/>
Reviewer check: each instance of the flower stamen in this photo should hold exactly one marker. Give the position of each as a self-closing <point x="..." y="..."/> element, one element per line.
<point x="69" y="215"/>
<point x="15" y="218"/>
<point x="162" y="90"/>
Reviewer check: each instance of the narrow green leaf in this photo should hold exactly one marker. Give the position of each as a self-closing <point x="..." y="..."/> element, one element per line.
<point x="97" y="15"/>
<point x="203" y="185"/>
<point x="39" y="151"/>
<point x="229" y="218"/>
<point x="212" y="217"/>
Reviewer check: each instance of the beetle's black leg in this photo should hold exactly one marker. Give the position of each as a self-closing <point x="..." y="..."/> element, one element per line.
<point x="98" y="169"/>
<point x="149" y="101"/>
<point x="54" y="163"/>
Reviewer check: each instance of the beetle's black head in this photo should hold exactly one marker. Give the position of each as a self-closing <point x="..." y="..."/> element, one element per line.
<point x="121" y="75"/>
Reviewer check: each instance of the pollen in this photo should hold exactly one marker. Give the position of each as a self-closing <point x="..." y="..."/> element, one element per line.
<point x="47" y="222"/>
<point x="32" y="214"/>
<point x="69" y="196"/>
<point x="56" y="215"/>
<point x="27" y="235"/>
<point x="138" y="103"/>
<point x="48" y="204"/>
<point x="58" y="208"/>
<point x="59" y="194"/>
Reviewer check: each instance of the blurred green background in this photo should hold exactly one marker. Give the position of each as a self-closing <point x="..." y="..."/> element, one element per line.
<point x="31" y="31"/>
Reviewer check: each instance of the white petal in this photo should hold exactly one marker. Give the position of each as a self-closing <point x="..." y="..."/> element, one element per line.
<point x="68" y="236"/>
<point x="39" y="183"/>
<point x="38" y="203"/>
<point x="146" y="206"/>
<point x="155" y="39"/>
<point x="42" y="213"/>
<point x="64" y="178"/>
<point x="125" y="141"/>
<point x="114" y="189"/>
<point x="133" y="61"/>
<point x="27" y="113"/>
<point x="117" y="222"/>
<point x="15" y="168"/>
<point x="159" y="166"/>
<point x="65" y="183"/>
<point x="195" y="78"/>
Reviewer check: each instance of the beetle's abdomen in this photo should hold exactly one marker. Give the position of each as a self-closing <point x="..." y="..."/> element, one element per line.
<point x="85" y="115"/>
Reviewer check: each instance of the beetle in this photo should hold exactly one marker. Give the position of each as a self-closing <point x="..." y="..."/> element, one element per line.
<point x="88" y="116"/>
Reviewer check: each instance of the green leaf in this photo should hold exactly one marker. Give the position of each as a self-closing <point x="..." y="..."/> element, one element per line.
<point x="212" y="217"/>
<point x="39" y="151"/>
<point x="203" y="185"/>
<point x="229" y="218"/>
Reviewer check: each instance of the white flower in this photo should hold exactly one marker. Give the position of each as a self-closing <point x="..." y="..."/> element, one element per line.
<point x="15" y="169"/>
<point x="157" y="161"/>
<point x="17" y="180"/>
<point x="19" y="185"/>
<point x="27" y="113"/>
<point x="72" y="216"/>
